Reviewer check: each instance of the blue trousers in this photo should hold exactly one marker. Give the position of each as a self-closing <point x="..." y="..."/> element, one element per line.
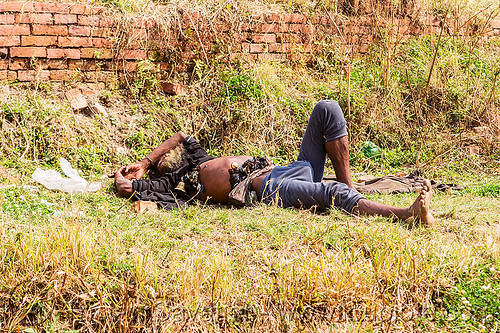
<point x="299" y="184"/>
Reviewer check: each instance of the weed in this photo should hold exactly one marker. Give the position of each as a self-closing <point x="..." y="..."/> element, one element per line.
<point x="472" y="303"/>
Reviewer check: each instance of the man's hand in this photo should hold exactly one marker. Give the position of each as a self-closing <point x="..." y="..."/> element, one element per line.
<point x="123" y="185"/>
<point x="133" y="171"/>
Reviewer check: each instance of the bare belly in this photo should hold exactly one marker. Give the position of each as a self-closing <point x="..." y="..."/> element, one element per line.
<point x="214" y="175"/>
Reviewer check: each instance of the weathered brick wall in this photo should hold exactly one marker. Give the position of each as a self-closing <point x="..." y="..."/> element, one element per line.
<point x="64" y="42"/>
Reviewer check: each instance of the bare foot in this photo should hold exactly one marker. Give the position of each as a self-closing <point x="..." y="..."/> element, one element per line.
<point x="420" y="208"/>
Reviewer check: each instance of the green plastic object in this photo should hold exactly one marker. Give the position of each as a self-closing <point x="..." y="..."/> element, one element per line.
<point x="370" y="149"/>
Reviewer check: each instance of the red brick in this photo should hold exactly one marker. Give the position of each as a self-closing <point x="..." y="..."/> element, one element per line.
<point x="28" y="52"/>
<point x="93" y="10"/>
<point x="54" y="63"/>
<point x="173" y="88"/>
<point x="54" y="30"/>
<point x="76" y="30"/>
<point x="38" y="40"/>
<point x="297" y="28"/>
<point x="65" y="19"/>
<point x="10" y="41"/>
<point x="363" y="48"/>
<point x="63" y="53"/>
<point x="52" y="7"/>
<point x="297" y="18"/>
<point x="269" y="28"/>
<point x="138" y="23"/>
<point x="321" y="20"/>
<point x="33" y="75"/>
<point x="245" y="47"/>
<point x="16" y="6"/>
<point x="266" y="57"/>
<point x="128" y="66"/>
<point x="97" y="53"/>
<point x="258" y="48"/>
<point x="17" y="64"/>
<point x="101" y="42"/>
<point x="84" y="65"/>
<point x="495" y="24"/>
<point x="9" y="30"/>
<point x="102" y="32"/>
<point x="107" y="22"/>
<point x="274" y="18"/>
<point x="139" y="33"/>
<point x="4" y="64"/>
<point x="100" y="76"/>
<point x="88" y="20"/>
<point x="280" y="48"/>
<point x="61" y="75"/>
<point x="7" y="19"/>
<point x="74" y="41"/>
<point x="132" y="54"/>
<point x="77" y="9"/>
<point x="251" y="57"/>
<point x="265" y="38"/>
<point x="8" y="76"/>
<point x="33" y="18"/>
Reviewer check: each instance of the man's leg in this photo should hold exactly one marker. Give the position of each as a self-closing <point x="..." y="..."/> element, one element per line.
<point x="338" y="152"/>
<point x="326" y="134"/>
<point x="418" y="210"/>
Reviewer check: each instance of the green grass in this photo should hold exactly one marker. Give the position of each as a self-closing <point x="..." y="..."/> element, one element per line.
<point x="73" y="257"/>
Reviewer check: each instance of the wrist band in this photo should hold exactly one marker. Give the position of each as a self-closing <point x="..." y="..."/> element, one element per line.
<point x="150" y="160"/>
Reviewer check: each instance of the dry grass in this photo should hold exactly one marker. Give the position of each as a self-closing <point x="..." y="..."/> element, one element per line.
<point x="93" y="266"/>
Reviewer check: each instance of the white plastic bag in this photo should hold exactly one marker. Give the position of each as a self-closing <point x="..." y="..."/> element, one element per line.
<point x="53" y="180"/>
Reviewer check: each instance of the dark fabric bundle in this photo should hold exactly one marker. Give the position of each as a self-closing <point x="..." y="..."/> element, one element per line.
<point x="162" y="190"/>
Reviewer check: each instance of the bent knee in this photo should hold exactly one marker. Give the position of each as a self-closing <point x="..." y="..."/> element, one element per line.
<point x="329" y="111"/>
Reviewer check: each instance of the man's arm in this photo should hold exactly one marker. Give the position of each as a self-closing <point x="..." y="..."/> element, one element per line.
<point x="137" y="170"/>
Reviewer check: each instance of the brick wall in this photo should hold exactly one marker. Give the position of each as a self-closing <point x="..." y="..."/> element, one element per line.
<point x="65" y="42"/>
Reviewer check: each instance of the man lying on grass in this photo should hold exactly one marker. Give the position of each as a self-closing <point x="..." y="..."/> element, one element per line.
<point x="195" y="175"/>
